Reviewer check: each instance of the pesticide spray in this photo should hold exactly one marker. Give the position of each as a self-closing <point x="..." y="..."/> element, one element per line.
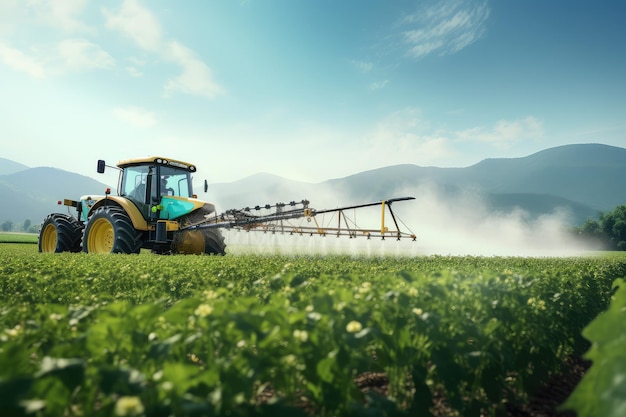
<point x="443" y="225"/>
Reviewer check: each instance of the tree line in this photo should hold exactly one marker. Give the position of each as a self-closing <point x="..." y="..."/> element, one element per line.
<point x="27" y="226"/>
<point x="609" y="229"/>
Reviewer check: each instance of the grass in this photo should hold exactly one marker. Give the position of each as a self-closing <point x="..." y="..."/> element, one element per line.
<point x="15" y="237"/>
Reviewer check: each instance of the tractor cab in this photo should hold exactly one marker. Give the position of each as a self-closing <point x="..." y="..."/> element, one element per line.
<point x="159" y="187"/>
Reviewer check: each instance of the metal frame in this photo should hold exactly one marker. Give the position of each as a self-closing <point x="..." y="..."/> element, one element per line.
<point x="295" y="218"/>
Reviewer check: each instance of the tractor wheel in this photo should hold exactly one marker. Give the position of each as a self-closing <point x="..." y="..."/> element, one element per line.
<point x="110" y="230"/>
<point x="196" y="242"/>
<point x="209" y="241"/>
<point x="60" y="233"/>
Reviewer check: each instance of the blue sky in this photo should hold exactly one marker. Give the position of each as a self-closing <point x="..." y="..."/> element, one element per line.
<point x="307" y="90"/>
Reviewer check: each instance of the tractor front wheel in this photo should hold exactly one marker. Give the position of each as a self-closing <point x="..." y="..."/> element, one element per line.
<point x="110" y="230"/>
<point x="60" y="233"/>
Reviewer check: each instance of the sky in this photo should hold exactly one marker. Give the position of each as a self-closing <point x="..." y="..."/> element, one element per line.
<point x="307" y="90"/>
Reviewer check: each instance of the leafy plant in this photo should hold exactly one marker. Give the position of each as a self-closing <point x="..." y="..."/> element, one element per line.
<point x="271" y="335"/>
<point x="602" y="391"/>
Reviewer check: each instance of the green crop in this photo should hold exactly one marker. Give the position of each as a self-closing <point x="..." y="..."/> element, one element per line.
<point x="100" y="335"/>
<point x="18" y="237"/>
<point x="602" y="390"/>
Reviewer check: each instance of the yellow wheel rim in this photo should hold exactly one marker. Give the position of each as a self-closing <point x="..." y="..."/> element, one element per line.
<point x="49" y="238"/>
<point x="101" y="237"/>
<point x="190" y="242"/>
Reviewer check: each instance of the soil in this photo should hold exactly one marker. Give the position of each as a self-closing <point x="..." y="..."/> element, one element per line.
<point x="554" y="392"/>
<point x="544" y="403"/>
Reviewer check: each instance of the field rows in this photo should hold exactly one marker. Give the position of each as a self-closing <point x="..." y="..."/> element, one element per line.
<point x="84" y="334"/>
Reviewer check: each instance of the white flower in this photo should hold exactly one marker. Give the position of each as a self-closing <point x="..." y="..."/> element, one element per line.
<point x="314" y="316"/>
<point x="301" y="335"/>
<point x="354" y="326"/>
<point x="418" y="311"/>
<point x="128" y="406"/>
<point x="14" y="331"/>
<point x="365" y="287"/>
<point x="289" y="359"/>
<point x="209" y="294"/>
<point x="203" y="310"/>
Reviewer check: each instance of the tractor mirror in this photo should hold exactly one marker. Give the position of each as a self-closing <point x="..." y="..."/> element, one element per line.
<point x="206" y="186"/>
<point x="101" y="165"/>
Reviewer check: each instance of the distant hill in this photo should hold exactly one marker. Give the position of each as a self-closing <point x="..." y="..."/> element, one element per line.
<point x="587" y="174"/>
<point x="34" y="193"/>
<point x="10" y="167"/>
<point x="580" y="180"/>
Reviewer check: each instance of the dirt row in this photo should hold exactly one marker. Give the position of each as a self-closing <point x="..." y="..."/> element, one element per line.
<point x="544" y="403"/>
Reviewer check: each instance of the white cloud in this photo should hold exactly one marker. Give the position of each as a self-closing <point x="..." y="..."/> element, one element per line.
<point x="378" y="85"/>
<point x="504" y="133"/>
<point x="136" y="116"/>
<point x="136" y="22"/>
<point x="445" y="27"/>
<point x="61" y="14"/>
<point x="196" y="77"/>
<point x="81" y="54"/>
<point x="363" y="66"/>
<point x="44" y="59"/>
<point x="11" y="12"/>
<point x="21" y="62"/>
<point x="135" y="65"/>
<point x="404" y="137"/>
<point x="134" y="72"/>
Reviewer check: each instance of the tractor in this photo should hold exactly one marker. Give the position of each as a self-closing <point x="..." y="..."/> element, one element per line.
<point x="155" y="209"/>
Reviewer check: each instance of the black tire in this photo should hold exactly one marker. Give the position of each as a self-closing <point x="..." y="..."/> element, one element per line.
<point x="209" y="241"/>
<point x="214" y="243"/>
<point x="60" y="233"/>
<point x="110" y="230"/>
<point x="196" y="242"/>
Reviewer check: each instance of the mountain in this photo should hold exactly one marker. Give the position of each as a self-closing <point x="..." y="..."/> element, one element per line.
<point x="580" y="180"/>
<point x="10" y="167"/>
<point x="590" y="174"/>
<point x="33" y="193"/>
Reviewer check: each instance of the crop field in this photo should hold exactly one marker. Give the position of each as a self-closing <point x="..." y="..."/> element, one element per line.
<point x="242" y="335"/>
<point x="6" y="237"/>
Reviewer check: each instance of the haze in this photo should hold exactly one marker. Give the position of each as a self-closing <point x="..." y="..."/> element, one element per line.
<point x="443" y="225"/>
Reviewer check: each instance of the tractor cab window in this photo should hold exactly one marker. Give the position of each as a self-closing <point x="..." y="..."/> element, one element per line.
<point x="174" y="182"/>
<point x="134" y="183"/>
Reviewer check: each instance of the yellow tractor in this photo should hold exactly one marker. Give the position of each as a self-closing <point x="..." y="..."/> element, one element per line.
<point x="155" y="209"/>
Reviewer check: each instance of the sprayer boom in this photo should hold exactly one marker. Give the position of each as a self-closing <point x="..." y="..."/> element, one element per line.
<point x="299" y="218"/>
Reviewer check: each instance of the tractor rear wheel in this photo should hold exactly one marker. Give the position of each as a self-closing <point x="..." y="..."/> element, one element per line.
<point x="197" y="242"/>
<point x="60" y="233"/>
<point x="110" y="230"/>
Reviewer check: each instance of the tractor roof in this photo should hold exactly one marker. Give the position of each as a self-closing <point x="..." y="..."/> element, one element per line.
<point x="150" y="160"/>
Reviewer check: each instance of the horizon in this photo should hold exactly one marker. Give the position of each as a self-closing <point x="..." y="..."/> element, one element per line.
<point x="98" y="177"/>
